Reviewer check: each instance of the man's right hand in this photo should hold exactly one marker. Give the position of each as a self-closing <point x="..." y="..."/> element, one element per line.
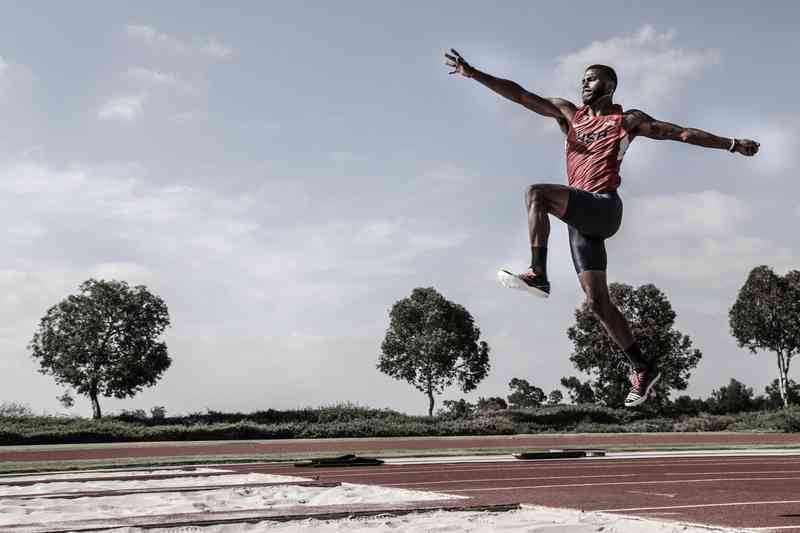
<point x="458" y="64"/>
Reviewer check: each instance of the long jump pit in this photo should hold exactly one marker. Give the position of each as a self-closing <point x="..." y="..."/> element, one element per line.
<point x="733" y="490"/>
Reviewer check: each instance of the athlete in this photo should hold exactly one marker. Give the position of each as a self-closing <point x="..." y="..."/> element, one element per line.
<point x="597" y="135"/>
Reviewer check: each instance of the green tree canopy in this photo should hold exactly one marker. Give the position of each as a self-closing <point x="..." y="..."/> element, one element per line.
<point x="773" y="392"/>
<point x="555" y="397"/>
<point x="523" y="394"/>
<point x="651" y="319"/>
<point x="766" y="316"/>
<point x="433" y="343"/>
<point x="103" y="340"/>
<point x="579" y="391"/>
<point x="734" y="397"/>
<point x="492" y="403"/>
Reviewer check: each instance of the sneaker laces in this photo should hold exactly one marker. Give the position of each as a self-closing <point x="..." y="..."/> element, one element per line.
<point x="638" y="379"/>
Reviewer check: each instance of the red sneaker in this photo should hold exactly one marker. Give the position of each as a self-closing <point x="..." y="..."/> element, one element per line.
<point x="642" y="382"/>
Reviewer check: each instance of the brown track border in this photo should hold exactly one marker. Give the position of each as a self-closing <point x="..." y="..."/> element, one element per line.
<point x="330" y="512"/>
<point x="191" y="488"/>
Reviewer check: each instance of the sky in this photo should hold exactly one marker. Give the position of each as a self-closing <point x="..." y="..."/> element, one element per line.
<point x="282" y="173"/>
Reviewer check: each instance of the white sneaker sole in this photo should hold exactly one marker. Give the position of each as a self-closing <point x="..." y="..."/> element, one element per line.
<point x="511" y="281"/>
<point x="646" y="394"/>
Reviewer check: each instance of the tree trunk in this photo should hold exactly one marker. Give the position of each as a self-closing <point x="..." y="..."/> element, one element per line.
<point x="96" y="414"/>
<point x="782" y="378"/>
<point x="430" y="401"/>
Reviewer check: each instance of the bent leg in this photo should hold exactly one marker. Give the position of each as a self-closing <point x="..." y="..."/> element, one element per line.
<point x="541" y="200"/>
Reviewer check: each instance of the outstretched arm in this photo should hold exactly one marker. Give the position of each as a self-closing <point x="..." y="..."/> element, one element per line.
<point x="640" y="123"/>
<point x="557" y="108"/>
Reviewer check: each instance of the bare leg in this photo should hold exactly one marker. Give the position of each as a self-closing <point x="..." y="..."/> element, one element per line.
<point x="595" y="286"/>
<point x="540" y="201"/>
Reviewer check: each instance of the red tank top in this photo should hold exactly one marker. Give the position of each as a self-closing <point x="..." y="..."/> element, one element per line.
<point x="595" y="147"/>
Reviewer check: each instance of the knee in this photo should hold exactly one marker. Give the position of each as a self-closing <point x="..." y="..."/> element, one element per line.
<point x="536" y="196"/>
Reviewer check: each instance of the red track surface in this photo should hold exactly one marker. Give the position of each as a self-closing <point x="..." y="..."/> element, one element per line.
<point x="746" y="491"/>
<point x="428" y="444"/>
<point x="743" y="491"/>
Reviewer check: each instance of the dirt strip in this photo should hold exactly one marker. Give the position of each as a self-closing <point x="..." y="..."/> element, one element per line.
<point x="190" y="488"/>
<point x="285" y="514"/>
<point x="378" y="445"/>
<point x="26" y="483"/>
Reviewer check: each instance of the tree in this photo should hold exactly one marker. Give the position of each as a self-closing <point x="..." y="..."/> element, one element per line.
<point x="523" y="394"/>
<point x="734" y="397"/>
<point x="457" y="409"/>
<point x="15" y="409"/>
<point x="773" y="392"/>
<point x="686" y="405"/>
<point x="66" y="399"/>
<point x="651" y="318"/>
<point x="579" y="392"/>
<point x="103" y="341"/>
<point x="555" y="397"/>
<point x="492" y="403"/>
<point x="766" y="316"/>
<point x="432" y="343"/>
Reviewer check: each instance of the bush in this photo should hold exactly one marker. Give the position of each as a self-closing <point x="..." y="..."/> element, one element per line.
<point x="12" y="409"/>
<point x="347" y="420"/>
<point x="705" y="422"/>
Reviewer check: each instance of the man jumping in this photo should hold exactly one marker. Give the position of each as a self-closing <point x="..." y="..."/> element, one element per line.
<point x="598" y="134"/>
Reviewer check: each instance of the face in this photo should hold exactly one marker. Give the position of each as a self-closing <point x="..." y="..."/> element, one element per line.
<point x="594" y="86"/>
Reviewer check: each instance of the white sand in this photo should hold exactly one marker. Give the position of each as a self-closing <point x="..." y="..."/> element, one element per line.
<point x="73" y="487"/>
<point x="236" y="499"/>
<point x="530" y="519"/>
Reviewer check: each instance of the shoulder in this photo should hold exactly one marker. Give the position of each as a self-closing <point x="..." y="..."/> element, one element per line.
<point x="632" y="119"/>
<point x="567" y="108"/>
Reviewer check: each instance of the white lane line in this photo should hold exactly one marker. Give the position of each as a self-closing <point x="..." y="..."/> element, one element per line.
<point x="524" y="466"/>
<point x="742" y="472"/>
<point x="698" y="506"/>
<point x="610" y="483"/>
<point x="773" y="528"/>
<point x="451" y="481"/>
<point x="651" y="493"/>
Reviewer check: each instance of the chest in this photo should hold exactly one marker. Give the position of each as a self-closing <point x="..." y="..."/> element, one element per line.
<point x="589" y="130"/>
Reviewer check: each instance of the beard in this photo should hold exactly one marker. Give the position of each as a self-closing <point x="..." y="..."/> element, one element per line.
<point x="594" y="96"/>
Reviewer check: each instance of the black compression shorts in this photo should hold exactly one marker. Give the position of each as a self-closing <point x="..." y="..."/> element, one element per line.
<point x="592" y="218"/>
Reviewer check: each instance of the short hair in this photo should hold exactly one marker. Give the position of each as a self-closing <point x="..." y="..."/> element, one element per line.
<point x="605" y="69"/>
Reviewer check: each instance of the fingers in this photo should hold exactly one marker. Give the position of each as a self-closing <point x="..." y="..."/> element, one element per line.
<point x="749" y="147"/>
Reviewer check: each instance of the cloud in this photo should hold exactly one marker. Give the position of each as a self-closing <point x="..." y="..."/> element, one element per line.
<point x="182" y="118"/>
<point x="447" y="172"/>
<point x="209" y="47"/>
<point x="3" y="66"/>
<point x="129" y="271"/>
<point x="151" y="77"/>
<point x="706" y="212"/>
<point x="650" y="65"/>
<point x="696" y="237"/>
<point x="122" y="108"/>
<point x="246" y="247"/>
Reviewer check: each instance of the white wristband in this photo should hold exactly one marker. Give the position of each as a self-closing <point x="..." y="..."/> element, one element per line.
<point x="733" y="146"/>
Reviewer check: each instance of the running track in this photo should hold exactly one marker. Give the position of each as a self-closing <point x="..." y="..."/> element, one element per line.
<point x="758" y="492"/>
<point x="364" y="446"/>
<point x="761" y="491"/>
